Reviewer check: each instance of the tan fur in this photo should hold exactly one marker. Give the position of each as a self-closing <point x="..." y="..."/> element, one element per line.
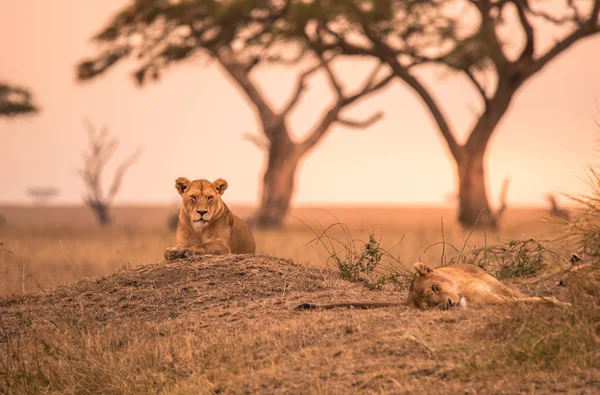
<point x="462" y="285"/>
<point x="206" y="225"/>
<point x="449" y="286"/>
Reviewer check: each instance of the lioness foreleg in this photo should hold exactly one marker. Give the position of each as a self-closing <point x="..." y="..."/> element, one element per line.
<point x="173" y="253"/>
<point x="217" y="247"/>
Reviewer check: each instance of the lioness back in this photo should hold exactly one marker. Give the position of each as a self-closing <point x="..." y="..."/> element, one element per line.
<point x="242" y="240"/>
<point x="472" y="279"/>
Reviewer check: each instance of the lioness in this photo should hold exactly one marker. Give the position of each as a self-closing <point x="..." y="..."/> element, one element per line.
<point x="460" y="285"/>
<point x="206" y="225"/>
<point x="450" y="286"/>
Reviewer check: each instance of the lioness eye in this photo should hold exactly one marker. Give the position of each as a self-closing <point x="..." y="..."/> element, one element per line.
<point x="434" y="288"/>
<point x="210" y="198"/>
<point x="193" y="198"/>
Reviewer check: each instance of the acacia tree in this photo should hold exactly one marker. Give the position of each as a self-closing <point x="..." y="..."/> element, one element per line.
<point x="157" y="33"/>
<point x="15" y="101"/>
<point x="101" y="149"/>
<point x="41" y="195"/>
<point x="462" y="36"/>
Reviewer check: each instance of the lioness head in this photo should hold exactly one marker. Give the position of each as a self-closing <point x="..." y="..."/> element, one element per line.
<point x="201" y="200"/>
<point x="432" y="288"/>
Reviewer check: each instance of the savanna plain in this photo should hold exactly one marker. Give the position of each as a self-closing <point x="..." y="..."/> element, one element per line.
<point x="97" y="310"/>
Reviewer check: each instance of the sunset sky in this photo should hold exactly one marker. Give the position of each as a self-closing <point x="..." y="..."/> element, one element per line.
<point x="191" y="124"/>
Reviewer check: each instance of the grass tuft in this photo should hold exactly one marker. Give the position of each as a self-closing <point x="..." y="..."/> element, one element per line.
<point x="512" y="259"/>
<point x="551" y="339"/>
<point x="583" y="230"/>
<point x="363" y="262"/>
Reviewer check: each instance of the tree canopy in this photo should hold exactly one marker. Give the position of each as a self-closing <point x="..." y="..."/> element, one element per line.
<point x="464" y="35"/>
<point x="496" y="45"/>
<point x="159" y="33"/>
<point x="467" y="36"/>
<point x="15" y="101"/>
<point x="238" y="35"/>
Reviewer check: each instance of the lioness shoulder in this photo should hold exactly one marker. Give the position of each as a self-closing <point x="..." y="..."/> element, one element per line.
<point x="205" y="224"/>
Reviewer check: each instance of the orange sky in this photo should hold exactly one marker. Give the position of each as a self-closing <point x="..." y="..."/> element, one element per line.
<point x="191" y="124"/>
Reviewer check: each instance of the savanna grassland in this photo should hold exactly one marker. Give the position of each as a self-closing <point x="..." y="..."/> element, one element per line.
<point x="56" y="245"/>
<point x="136" y="324"/>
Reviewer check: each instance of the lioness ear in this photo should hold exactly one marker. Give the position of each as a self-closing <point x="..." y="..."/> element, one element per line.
<point x="423" y="269"/>
<point x="220" y="185"/>
<point x="181" y="184"/>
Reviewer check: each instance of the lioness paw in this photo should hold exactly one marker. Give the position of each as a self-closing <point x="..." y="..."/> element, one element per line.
<point x="188" y="253"/>
<point x="173" y="253"/>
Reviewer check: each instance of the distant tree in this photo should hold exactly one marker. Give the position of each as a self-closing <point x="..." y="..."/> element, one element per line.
<point x="42" y="194"/>
<point x="468" y="37"/>
<point x="555" y="210"/>
<point x="101" y="149"/>
<point x="15" y="101"/>
<point x="158" y="33"/>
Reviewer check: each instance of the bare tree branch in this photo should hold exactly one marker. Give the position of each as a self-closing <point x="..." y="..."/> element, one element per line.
<point x="488" y="25"/>
<point x="590" y="27"/>
<point x="333" y="113"/>
<point x="369" y="85"/>
<point x="262" y="143"/>
<point x="478" y="86"/>
<point x="431" y="104"/>
<point x="576" y="15"/>
<point x="227" y="59"/>
<point x="503" y="194"/>
<point x="322" y="127"/>
<point x="361" y="124"/>
<point x="574" y="18"/>
<point x="15" y="101"/>
<point x="386" y="54"/>
<point x="300" y="88"/>
<point x="369" y="88"/>
<point x="371" y="77"/>
<point x="120" y="172"/>
<point x="332" y="79"/>
<point x="100" y="150"/>
<point x="528" y="51"/>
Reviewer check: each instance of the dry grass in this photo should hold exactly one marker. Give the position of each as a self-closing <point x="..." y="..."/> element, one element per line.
<point x="228" y="324"/>
<point x="561" y="343"/>
<point x="50" y="246"/>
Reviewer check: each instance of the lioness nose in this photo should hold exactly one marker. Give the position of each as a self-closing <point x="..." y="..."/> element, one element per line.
<point x="201" y="212"/>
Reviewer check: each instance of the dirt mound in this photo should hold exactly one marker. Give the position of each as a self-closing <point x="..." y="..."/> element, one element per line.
<point x="206" y="287"/>
<point x="228" y="325"/>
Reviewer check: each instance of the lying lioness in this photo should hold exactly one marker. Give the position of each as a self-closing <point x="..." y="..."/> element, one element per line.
<point x="205" y="225"/>
<point x="460" y="285"/>
<point x="450" y="286"/>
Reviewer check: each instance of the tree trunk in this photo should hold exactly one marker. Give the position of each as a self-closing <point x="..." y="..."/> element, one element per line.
<point x="278" y="186"/>
<point x="102" y="214"/>
<point x="474" y="207"/>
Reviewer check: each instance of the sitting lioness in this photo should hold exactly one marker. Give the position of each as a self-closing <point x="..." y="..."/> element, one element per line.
<point x="205" y="225"/>
<point x="449" y="286"/>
